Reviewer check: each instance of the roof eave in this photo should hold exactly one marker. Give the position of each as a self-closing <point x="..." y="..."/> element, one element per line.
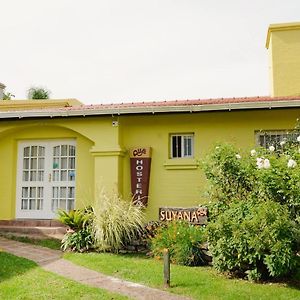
<point x="151" y="109"/>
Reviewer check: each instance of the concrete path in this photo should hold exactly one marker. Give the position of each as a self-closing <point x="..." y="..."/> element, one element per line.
<point x="51" y="260"/>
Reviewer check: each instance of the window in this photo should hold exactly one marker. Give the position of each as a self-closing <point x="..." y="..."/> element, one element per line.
<point x="182" y="145"/>
<point x="275" y="137"/>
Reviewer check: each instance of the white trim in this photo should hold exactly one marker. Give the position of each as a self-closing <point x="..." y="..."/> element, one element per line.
<point x="182" y="136"/>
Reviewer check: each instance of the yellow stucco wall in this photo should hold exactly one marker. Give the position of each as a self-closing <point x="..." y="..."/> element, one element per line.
<point x="89" y="133"/>
<point x="103" y="158"/>
<point x="170" y="185"/>
<point x="283" y="43"/>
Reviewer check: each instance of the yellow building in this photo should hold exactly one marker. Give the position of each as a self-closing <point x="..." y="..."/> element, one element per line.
<point x="59" y="153"/>
<point x="283" y="42"/>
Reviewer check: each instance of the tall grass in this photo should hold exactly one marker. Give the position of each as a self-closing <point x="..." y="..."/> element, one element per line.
<point x="116" y="221"/>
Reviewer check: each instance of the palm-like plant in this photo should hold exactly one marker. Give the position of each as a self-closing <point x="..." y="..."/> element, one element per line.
<point x="76" y="219"/>
<point x="7" y="96"/>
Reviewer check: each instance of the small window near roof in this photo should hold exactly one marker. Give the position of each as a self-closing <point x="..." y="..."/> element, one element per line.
<point x="182" y="145"/>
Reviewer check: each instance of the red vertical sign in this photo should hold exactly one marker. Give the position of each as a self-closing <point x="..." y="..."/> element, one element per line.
<point x="140" y="162"/>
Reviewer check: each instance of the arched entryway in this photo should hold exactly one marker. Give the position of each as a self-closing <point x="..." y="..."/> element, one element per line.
<point x="44" y="167"/>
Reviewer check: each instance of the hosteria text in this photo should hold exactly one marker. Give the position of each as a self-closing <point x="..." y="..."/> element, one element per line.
<point x="140" y="162"/>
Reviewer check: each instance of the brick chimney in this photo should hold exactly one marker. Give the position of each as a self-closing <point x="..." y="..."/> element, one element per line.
<point x="2" y="87"/>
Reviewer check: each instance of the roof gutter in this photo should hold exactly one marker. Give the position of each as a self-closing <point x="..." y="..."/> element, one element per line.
<point x="150" y="109"/>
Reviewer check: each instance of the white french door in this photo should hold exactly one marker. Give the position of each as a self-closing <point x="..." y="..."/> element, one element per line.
<point x="45" y="178"/>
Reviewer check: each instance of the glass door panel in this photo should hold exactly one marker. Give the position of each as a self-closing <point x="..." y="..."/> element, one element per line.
<point x="45" y="178"/>
<point x="63" y="173"/>
<point x="33" y="170"/>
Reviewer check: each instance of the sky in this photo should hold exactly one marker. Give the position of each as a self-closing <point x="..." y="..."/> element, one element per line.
<point x="139" y="50"/>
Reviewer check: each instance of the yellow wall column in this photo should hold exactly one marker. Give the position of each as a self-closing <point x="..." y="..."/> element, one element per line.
<point x="108" y="170"/>
<point x="283" y="44"/>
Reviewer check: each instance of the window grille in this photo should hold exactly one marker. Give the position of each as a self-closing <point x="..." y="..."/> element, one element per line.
<point x="275" y="137"/>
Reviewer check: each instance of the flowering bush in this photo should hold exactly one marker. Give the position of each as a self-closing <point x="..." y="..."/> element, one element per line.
<point x="280" y="182"/>
<point x="183" y="241"/>
<point x="262" y="174"/>
<point x="252" y="239"/>
<point x="244" y="237"/>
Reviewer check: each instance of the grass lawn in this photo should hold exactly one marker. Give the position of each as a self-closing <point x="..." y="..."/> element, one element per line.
<point x="23" y="279"/>
<point x="196" y="282"/>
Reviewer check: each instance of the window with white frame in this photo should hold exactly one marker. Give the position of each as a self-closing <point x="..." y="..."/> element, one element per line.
<point x="275" y="137"/>
<point x="182" y="145"/>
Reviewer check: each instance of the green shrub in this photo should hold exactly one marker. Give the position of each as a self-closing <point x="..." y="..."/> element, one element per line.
<point x="79" y="241"/>
<point x="116" y="222"/>
<point x="254" y="212"/>
<point x="75" y="219"/>
<point x="253" y="238"/>
<point x="79" y="236"/>
<point x="184" y="242"/>
<point x="231" y="177"/>
<point x="263" y="175"/>
<point x="281" y="183"/>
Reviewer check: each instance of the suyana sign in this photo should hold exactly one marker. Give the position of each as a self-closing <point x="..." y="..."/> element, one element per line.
<point x="140" y="162"/>
<point x="195" y="215"/>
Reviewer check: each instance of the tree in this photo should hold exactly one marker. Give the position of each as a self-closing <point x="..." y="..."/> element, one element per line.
<point x="7" y="96"/>
<point x="37" y="93"/>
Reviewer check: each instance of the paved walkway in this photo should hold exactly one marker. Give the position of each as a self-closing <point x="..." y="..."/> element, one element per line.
<point x="51" y="260"/>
